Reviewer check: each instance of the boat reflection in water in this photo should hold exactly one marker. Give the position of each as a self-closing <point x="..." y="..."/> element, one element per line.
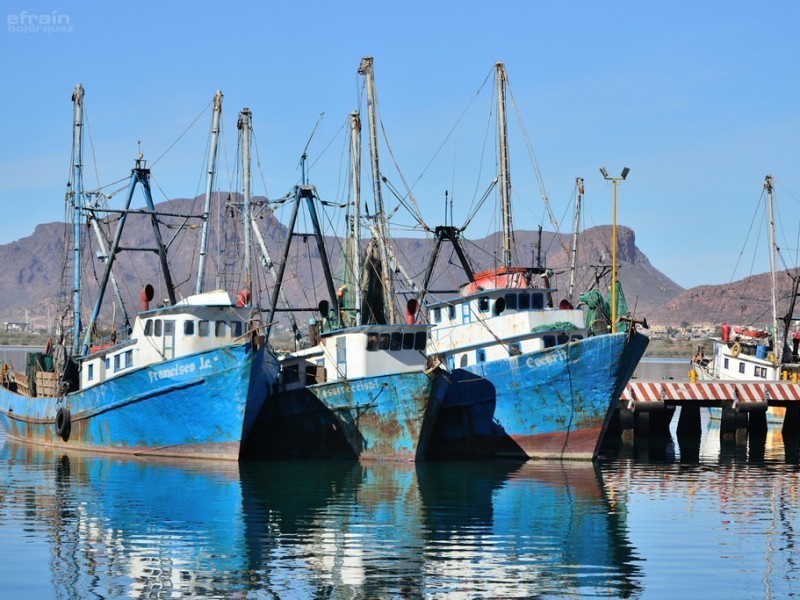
<point x="116" y="527"/>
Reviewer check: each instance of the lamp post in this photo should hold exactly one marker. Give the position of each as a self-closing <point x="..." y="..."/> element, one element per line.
<point x="614" y="181"/>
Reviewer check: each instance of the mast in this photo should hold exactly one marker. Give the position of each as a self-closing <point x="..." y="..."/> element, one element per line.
<point x="212" y="159"/>
<point x="244" y="125"/>
<point x="573" y="261"/>
<point x="103" y="243"/>
<point x="77" y="205"/>
<point x="140" y="175"/>
<point x="504" y="178"/>
<point x="354" y="221"/>
<point x="365" y="69"/>
<point x="773" y="277"/>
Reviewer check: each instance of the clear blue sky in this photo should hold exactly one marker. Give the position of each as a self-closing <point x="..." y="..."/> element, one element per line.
<point x="699" y="99"/>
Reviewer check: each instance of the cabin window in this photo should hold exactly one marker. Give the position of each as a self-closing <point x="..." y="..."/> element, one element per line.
<point x="514" y="349"/>
<point x="236" y="329"/>
<point x="741" y="367"/>
<point x="420" y="340"/>
<point x="220" y="328"/>
<point x="169" y="327"/>
<point x="148" y="327"/>
<point x="90" y="373"/>
<point x="128" y="358"/>
<point x="465" y="315"/>
<point x="158" y="328"/>
<point x="397" y="341"/>
<point x="483" y="304"/>
<point x="188" y="328"/>
<point x="451" y="362"/>
<point x="116" y="361"/>
<point x="383" y="341"/>
<point x="108" y="362"/>
<point x="372" y="342"/>
<point x="290" y="374"/>
<point x="537" y="301"/>
<point x="549" y="341"/>
<point x="408" y="341"/>
<point x="563" y="338"/>
<point x="499" y="306"/>
<point x="203" y="328"/>
<point x="725" y="364"/>
<point x="451" y="312"/>
<point x="524" y="301"/>
<point x="480" y="355"/>
<point x="463" y="360"/>
<point x="511" y="301"/>
<point x="764" y="372"/>
<point x="436" y="315"/>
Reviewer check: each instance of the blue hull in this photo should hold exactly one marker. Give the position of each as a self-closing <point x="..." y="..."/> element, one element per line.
<point x="198" y="406"/>
<point x="386" y="417"/>
<point x="295" y="424"/>
<point x="555" y="403"/>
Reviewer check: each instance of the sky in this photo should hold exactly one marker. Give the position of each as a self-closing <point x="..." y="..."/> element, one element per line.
<point x="698" y="99"/>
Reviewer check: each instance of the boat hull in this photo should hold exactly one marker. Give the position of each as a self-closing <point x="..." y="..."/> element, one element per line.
<point x="198" y="406"/>
<point x="296" y="424"/>
<point x="385" y="417"/>
<point x="554" y="403"/>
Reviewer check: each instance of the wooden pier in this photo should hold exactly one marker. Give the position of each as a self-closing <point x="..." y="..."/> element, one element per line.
<point x="647" y="407"/>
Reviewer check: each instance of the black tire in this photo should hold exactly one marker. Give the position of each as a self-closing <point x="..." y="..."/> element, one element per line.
<point x="63" y="424"/>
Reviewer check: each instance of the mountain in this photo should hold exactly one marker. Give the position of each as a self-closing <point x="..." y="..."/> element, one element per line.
<point x="744" y="302"/>
<point x="33" y="277"/>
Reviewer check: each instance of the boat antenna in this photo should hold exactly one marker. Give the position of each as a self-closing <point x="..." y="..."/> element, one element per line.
<point x="573" y="260"/>
<point x="212" y="160"/>
<point x="245" y="125"/>
<point x="304" y="156"/>
<point x="77" y="203"/>
<point x="504" y="176"/>
<point x="773" y="278"/>
<point x="365" y="69"/>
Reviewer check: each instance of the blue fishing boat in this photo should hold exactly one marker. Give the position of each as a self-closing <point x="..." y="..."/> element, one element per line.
<point x="187" y="379"/>
<point x="363" y="387"/>
<point x="528" y="376"/>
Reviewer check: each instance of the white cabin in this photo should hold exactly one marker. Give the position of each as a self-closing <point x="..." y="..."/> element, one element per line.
<point x="196" y="324"/>
<point x="496" y="323"/>
<point x="355" y="353"/>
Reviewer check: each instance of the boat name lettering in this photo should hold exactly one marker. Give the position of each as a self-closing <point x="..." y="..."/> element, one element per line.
<point x="356" y="387"/>
<point x="178" y="370"/>
<point x="550" y="359"/>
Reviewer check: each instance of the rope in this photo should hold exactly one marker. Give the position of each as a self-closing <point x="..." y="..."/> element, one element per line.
<point x="185" y="131"/>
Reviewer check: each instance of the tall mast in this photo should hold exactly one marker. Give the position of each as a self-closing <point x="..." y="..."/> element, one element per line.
<point x="573" y="261"/>
<point x="773" y="275"/>
<point x="365" y="69"/>
<point x="244" y="125"/>
<point x="354" y="224"/>
<point x="212" y="159"/>
<point x="77" y="206"/>
<point x="504" y="177"/>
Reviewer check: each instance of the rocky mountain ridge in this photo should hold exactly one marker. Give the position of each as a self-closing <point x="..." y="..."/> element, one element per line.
<point x="33" y="280"/>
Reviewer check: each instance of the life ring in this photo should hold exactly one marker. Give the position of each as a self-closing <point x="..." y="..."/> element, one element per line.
<point x="735" y="349"/>
<point x="63" y="425"/>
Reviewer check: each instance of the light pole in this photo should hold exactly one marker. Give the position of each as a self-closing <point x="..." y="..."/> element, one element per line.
<point x="614" y="181"/>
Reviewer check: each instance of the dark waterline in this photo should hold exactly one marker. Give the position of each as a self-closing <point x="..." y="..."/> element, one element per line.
<point x="674" y="519"/>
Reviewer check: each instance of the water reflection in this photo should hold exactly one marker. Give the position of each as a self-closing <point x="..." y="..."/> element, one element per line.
<point x="114" y="527"/>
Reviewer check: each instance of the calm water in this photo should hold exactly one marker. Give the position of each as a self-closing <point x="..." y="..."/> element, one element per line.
<point x="666" y="520"/>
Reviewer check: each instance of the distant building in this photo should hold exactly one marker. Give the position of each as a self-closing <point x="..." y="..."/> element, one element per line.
<point x="17" y="326"/>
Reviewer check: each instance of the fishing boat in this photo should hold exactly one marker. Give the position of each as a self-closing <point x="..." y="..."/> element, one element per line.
<point x="186" y="379"/>
<point x="529" y="376"/>
<point x="748" y="353"/>
<point x="364" y="387"/>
